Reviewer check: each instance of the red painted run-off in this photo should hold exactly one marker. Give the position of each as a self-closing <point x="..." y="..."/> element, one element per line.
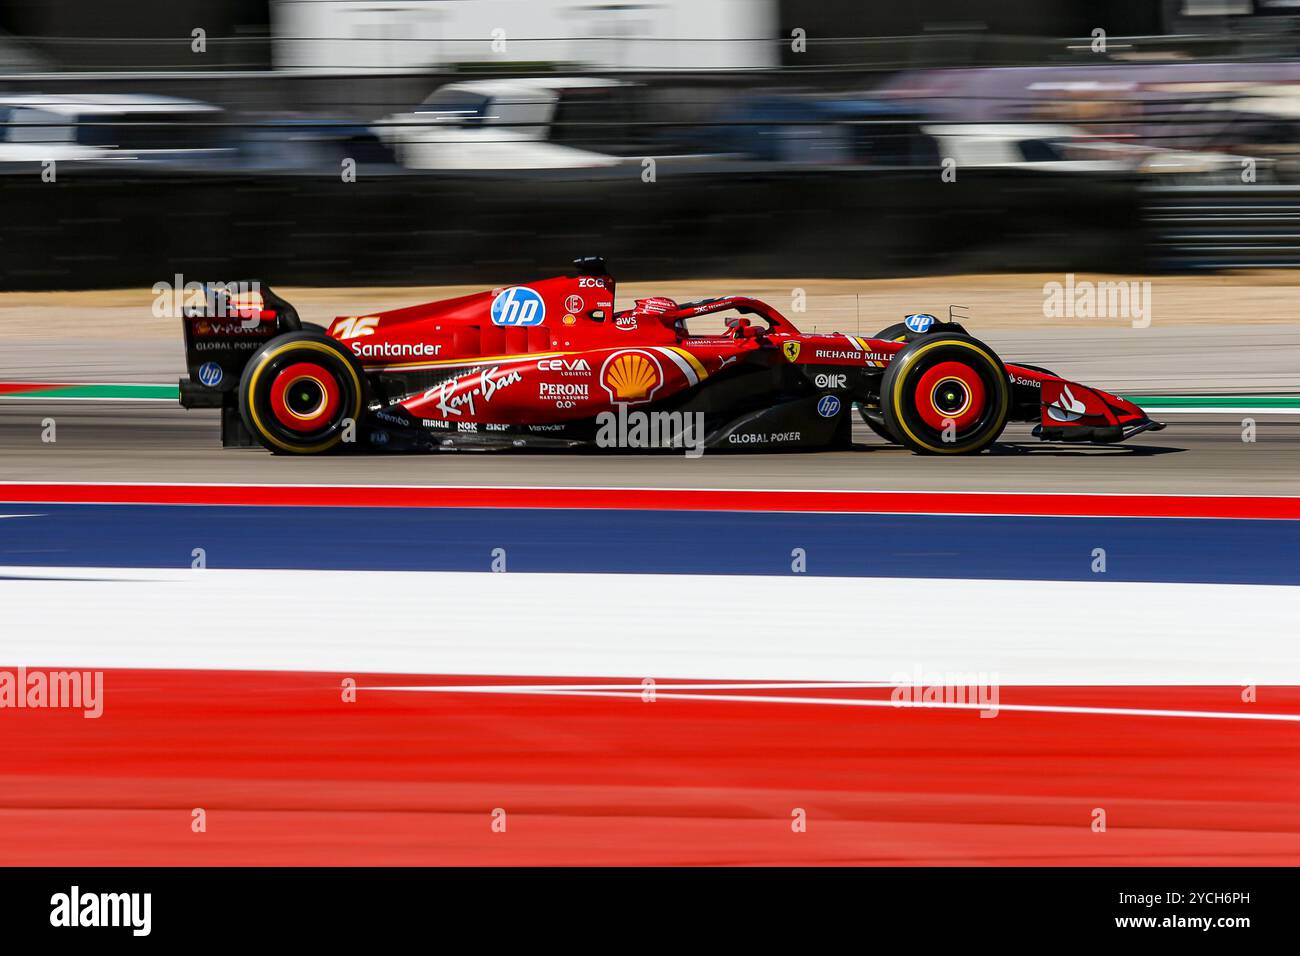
<point x="288" y="773"/>
<point x="901" y="502"/>
<point x="7" y="388"/>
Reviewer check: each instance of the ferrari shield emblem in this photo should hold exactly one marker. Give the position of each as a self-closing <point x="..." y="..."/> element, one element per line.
<point x="791" y="350"/>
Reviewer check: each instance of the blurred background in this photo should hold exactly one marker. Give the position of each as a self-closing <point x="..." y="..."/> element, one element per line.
<point x="347" y="142"/>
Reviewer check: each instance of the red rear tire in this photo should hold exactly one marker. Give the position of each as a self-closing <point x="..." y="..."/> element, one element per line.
<point x="302" y="393"/>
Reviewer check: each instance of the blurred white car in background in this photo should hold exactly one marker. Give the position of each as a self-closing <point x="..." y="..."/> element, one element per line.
<point x="1024" y="146"/>
<point x="511" y="124"/>
<point x="111" y="128"/>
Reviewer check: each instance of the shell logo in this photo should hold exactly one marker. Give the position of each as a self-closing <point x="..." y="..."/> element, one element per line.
<point x="631" y="378"/>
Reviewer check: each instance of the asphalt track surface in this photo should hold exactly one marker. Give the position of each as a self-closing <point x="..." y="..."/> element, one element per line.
<point x="1195" y="455"/>
<point x="160" y="443"/>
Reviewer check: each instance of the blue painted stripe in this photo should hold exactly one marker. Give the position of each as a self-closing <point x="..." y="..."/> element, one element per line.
<point x="927" y="546"/>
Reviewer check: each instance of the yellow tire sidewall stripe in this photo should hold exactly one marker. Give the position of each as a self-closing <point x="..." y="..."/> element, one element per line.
<point x="910" y="360"/>
<point x="252" y="395"/>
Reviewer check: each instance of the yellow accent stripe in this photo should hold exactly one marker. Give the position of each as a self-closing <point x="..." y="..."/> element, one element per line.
<point x="252" y="391"/>
<point x="866" y="348"/>
<point x="898" y="408"/>
<point x="695" y="363"/>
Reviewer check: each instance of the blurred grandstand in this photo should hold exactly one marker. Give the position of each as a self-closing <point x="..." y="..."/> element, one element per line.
<point x="425" y="141"/>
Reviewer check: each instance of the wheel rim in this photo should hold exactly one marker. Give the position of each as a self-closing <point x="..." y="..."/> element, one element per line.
<point x="304" y="397"/>
<point x="950" y="394"/>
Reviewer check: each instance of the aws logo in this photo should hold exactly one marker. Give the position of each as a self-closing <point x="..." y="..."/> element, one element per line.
<point x="631" y="377"/>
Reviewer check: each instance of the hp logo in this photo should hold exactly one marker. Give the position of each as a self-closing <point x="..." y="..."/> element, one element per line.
<point x="918" y="323"/>
<point x="210" y="374"/>
<point x="518" y="305"/>
<point x="829" y="406"/>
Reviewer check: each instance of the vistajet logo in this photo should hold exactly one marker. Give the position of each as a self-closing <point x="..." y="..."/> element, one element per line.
<point x="75" y="909"/>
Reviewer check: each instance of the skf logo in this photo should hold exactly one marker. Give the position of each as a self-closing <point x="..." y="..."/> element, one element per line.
<point x="791" y="350"/>
<point x="354" y="327"/>
<point x="631" y="378"/>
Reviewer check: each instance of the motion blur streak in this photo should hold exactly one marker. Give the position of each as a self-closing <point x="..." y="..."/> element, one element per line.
<point x="288" y="775"/>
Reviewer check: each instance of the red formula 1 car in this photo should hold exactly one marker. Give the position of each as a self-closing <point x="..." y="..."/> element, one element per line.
<point x="551" y="364"/>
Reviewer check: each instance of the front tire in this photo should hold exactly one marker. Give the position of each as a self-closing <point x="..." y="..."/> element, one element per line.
<point x="945" y="394"/>
<point x="898" y="332"/>
<point x="301" y="394"/>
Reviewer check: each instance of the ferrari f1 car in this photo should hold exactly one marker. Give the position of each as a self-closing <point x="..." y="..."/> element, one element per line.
<point x="552" y="364"/>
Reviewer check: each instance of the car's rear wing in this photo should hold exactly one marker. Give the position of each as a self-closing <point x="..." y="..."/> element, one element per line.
<point x="224" y="325"/>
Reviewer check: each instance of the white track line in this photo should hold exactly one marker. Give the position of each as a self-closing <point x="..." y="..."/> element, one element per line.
<point x="660" y="693"/>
